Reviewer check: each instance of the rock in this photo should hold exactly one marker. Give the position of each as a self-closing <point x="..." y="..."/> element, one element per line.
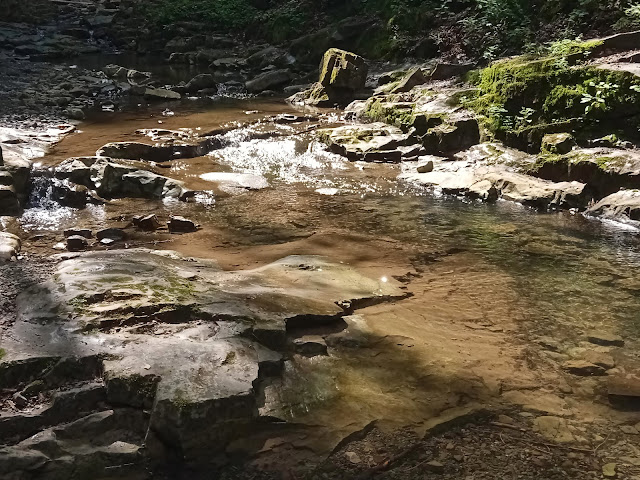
<point x="623" y="206"/>
<point x="9" y="202"/>
<point x="200" y="82"/>
<point x="310" y="345"/>
<point x="341" y="74"/>
<point x="353" y="457"/>
<point x="452" y="136"/>
<point x="624" y="391"/>
<point x="148" y="223"/>
<point x="629" y="430"/>
<point x="425" y="167"/>
<point x="583" y="368"/>
<point x="70" y="195"/>
<point x="115" y="234"/>
<point x="413" y="78"/>
<point x="558" y="143"/>
<point x="342" y="70"/>
<point x="181" y="225"/>
<point x="555" y="429"/>
<point x="434" y="466"/>
<point x="609" y="470"/>
<point x="82" y="232"/>
<point x="75" y="113"/>
<point x="605" y="339"/>
<point x="270" y="56"/>
<point x="268" y="81"/>
<point x="76" y="243"/>
<point x="161" y="94"/>
<point x="369" y="142"/>
<point x="488" y="182"/>
<point x="6" y="179"/>
<point x="601" y="359"/>
<point x="19" y="400"/>
<point x="171" y="334"/>
<point x="9" y="246"/>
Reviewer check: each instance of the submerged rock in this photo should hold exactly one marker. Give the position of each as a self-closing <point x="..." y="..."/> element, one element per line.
<point x="174" y="335"/>
<point x="113" y="180"/>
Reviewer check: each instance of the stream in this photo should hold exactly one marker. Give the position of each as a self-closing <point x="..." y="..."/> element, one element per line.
<point x="501" y="294"/>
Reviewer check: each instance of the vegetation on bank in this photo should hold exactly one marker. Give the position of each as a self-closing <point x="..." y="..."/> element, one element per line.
<point x="477" y="28"/>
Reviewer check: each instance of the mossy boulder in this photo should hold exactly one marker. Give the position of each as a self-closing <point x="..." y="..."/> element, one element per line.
<point x="523" y="93"/>
<point x="559" y="143"/>
<point x="342" y="73"/>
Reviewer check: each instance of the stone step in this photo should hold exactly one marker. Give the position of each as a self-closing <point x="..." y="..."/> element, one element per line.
<point x="65" y="406"/>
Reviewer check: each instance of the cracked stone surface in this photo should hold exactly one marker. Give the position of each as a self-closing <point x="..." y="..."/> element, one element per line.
<point x="177" y="336"/>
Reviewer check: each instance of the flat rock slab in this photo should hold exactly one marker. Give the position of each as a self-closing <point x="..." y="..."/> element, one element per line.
<point x="179" y="336"/>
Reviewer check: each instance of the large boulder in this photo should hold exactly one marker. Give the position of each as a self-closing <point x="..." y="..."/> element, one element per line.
<point x="342" y="74"/>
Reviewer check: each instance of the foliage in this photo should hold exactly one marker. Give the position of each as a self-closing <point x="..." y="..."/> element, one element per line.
<point x="485" y="29"/>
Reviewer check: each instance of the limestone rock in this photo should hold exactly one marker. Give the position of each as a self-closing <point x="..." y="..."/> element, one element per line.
<point x="623" y="206"/>
<point x="375" y="141"/>
<point x="342" y="70"/>
<point x="171" y="334"/>
<point x="148" y="223"/>
<point x="269" y="80"/>
<point x="200" y="82"/>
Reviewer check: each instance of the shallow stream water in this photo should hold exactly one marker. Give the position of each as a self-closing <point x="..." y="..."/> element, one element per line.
<point x="517" y="274"/>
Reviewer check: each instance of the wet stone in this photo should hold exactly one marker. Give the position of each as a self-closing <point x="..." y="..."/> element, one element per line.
<point x="310" y="345"/>
<point x="76" y="243"/>
<point x="148" y="223"/>
<point x="115" y="234"/>
<point x="181" y="225"/>
<point x="81" y="232"/>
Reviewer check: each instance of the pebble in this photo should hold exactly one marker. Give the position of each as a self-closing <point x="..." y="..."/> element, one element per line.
<point x="629" y="430"/>
<point x="609" y="470"/>
<point x="352" y="457"/>
<point x="434" y="466"/>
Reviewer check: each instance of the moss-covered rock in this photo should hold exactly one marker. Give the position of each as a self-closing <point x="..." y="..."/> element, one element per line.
<point x="522" y="93"/>
<point x="342" y="73"/>
<point x="559" y="143"/>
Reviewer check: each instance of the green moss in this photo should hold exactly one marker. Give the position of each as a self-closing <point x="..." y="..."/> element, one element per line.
<point x="399" y="117"/>
<point x="563" y="48"/>
<point x="3" y="353"/>
<point x="553" y="91"/>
